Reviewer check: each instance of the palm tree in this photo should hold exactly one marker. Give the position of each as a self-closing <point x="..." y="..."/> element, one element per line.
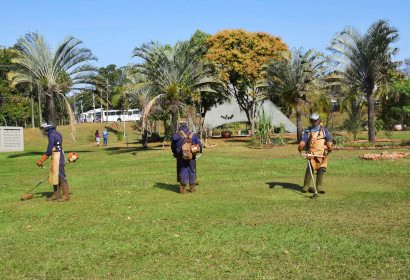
<point x="365" y="60"/>
<point x="293" y="77"/>
<point x="173" y="74"/>
<point x="55" y="71"/>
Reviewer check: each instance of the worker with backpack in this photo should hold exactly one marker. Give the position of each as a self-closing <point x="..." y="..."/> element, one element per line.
<point x="185" y="145"/>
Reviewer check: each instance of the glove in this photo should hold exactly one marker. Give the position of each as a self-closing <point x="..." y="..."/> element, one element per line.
<point x="329" y="147"/>
<point x="301" y="146"/>
<point x="40" y="162"/>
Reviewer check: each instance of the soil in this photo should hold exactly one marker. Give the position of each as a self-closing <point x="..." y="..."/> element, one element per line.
<point x="384" y="155"/>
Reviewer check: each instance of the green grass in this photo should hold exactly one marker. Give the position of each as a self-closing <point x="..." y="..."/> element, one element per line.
<point x="248" y="219"/>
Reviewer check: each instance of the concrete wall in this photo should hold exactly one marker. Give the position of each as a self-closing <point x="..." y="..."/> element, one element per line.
<point x="11" y="139"/>
<point x="213" y="117"/>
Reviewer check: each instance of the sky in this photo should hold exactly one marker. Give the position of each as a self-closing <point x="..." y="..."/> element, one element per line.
<point x="112" y="29"/>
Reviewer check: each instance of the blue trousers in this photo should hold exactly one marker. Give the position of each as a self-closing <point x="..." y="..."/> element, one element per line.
<point x="186" y="171"/>
<point x="105" y="141"/>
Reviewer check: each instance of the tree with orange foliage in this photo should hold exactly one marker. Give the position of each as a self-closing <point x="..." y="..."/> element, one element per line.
<point x="240" y="55"/>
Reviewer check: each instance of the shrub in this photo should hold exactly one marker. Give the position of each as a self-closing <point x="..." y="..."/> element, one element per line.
<point x="354" y="123"/>
<point x="263" y="128"/>
<point x="378" y="125"/>
<point x="120" y="136"/>
<point x="91" y="136"/>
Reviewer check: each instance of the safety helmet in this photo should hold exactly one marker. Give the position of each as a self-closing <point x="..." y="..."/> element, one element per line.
<point x="314" y="118"/>
<point x="183" y="123"/>
<point x="47" y="126"/>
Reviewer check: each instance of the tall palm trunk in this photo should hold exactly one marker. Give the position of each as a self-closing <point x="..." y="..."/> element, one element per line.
<point x="40" y="116"/>
<point x="299" y="128"/>
<point x="174" y="113"/>
<point x="51" y="109"/>
<point x="33" y="125"/>
<point x="370" y="117"/>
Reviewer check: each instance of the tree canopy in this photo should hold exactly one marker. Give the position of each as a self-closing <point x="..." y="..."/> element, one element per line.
<point x="240" y="55"/>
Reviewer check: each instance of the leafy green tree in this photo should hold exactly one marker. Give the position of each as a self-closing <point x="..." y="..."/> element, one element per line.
<point x="240" y="55"/>
<point x="395" y="104"/>
<point x="364" y="61"/>
<point x="55" y="71"/>
<point x="293" y="78"/>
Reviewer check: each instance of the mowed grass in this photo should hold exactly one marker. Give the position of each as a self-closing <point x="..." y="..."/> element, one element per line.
<point x="248" y="219"/>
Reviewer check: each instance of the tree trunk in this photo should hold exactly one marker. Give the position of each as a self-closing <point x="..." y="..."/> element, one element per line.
<point x="174" y="113"/>
<point x="33" y="124"/>
<point x="51" y="109"/>
<point x="145" y="137"/>
<point x="299" y="128"/>
<point x="39" y="107"/>
<point x="370" y="117"/>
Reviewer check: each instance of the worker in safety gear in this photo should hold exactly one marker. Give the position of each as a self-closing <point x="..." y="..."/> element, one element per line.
<point x="316" y="140"/>
<point x="186" y="168"/>
<point x="57" y="176"/>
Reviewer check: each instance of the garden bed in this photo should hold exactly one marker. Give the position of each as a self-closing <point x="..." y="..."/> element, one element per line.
<point x="384" y="155"/>
<point x="372" y="148"/>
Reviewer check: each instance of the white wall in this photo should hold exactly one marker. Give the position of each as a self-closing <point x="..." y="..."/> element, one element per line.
<point x="11" y="139"/>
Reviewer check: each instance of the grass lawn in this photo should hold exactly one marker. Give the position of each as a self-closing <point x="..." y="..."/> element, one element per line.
<point x="248" y="219"/>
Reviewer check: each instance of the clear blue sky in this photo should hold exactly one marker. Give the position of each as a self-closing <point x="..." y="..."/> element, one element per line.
<point x="111" y="29"/>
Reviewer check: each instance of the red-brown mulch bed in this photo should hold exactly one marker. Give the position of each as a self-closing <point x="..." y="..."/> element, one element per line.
<point x="371" y="148"/>
<point x="384" y="155"/>
<point x="269" y="147"/>
<point x="377" y="140"/>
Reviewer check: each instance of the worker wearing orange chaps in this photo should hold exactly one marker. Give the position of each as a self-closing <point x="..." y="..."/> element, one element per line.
<point x="316" y="140"/>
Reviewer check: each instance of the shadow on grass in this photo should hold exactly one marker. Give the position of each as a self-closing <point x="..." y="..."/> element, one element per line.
<point x="293" y="187"/>
<point x="43" y="194"/>
<point x="26" y="154"/>
<point x="168" y="187"/>
<point x="133" y="150"/>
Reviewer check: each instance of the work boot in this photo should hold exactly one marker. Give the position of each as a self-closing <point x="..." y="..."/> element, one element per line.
<point x="56" y="194"/>
<point x="192" y="188"/>
<point x="182" y="189"/>
<point x="64" y="186"/>
<point x="307" y="181"/>
<point x="319" y="181"/>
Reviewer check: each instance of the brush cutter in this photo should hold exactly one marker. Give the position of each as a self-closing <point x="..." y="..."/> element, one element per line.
<point x="72" y="157"/>
<point x="308" y="157"/>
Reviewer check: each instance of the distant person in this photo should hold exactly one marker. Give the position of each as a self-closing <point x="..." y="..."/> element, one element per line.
<point x="57" y="176"/>
<point x="181" y="146"/>
<point x="105" y="137"/>
<point x="97" y="138"/>
<point x="315" y="140"/>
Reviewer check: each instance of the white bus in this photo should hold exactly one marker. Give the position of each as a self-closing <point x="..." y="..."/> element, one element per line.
<point x="113" y="115"/>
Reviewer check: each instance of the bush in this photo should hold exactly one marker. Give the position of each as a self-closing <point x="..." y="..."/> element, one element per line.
<point x="120" y="135"/>
<point x="354" y="123"/>
<point x="263" y="128"/>
<point x="91" y="136"/>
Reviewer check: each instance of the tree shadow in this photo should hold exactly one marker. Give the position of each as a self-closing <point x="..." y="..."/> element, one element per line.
<point x="26" y="154"/>
<point x="290" y="186"/>
<point x="133" y="150"/>
<point x="168" y="187"/>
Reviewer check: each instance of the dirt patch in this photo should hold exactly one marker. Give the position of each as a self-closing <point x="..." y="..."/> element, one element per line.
<point x="384" y="155"/>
